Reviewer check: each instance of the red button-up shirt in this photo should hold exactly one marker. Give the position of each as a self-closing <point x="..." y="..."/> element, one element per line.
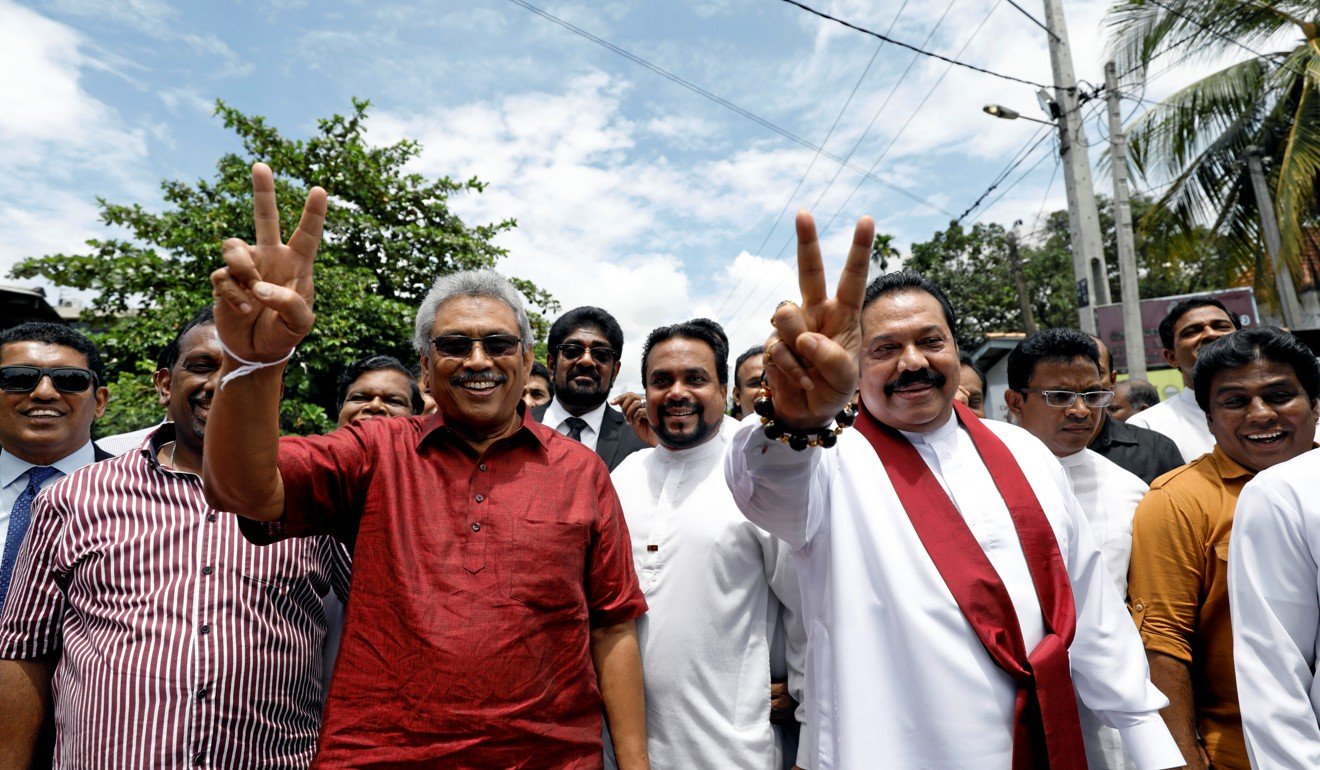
<point x="476" y="582"/>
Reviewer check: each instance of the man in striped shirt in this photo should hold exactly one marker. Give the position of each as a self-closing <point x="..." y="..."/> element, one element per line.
<point x="165" y="638"/>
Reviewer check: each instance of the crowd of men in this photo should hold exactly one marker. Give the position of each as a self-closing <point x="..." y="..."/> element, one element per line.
<point x="818" y="554"/>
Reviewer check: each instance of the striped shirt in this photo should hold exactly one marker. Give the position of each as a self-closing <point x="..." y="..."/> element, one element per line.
<point x="178" y="642"/>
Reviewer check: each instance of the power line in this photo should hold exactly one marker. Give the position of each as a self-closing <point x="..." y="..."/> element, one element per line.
<point x="1041" y="135"/>
<point x="913" y="48"/>
<point x="1034" y="20"/>
<point x="693" y="87"/>
<point x="1015" y="183"/>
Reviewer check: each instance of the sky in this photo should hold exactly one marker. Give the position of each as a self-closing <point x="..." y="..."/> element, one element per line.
<point x="631" y="191"/>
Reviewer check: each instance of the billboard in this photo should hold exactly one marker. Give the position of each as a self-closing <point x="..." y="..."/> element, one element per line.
<point x="1109" y="322"/>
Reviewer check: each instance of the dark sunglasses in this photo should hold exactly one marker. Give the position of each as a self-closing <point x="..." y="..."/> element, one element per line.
<point x="25" y="379"/>
<point x="571" y="351"/>
<point x="460" y="346"/>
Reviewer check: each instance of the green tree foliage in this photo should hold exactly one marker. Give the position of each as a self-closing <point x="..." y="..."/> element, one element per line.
<point x="388" y="235"/>
<point x="1199" y="135"/>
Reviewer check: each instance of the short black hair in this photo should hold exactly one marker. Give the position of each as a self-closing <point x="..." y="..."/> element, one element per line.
<point x="700" y="329"/>
<point x="1048" y="345"/>
<point x="1184" y="307"/>
<point x="966" y="359"/>
<point x="910" y="280"/>
<point x="169" y="355"/>
<point x="360" y="367"/>
<point x="1141" y="393"/>
<point x="755" y="350"/>
<point x="539" y="370"/>
<point x="579" y="317"/>
<point x="57" y="334"/>
<point x="1244" y="347"/>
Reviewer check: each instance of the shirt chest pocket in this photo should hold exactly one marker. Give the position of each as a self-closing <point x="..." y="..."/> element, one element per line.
<point x="547" y="565"/>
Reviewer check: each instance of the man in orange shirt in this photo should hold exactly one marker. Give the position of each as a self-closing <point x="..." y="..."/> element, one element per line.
<point x="1258" y="390"/>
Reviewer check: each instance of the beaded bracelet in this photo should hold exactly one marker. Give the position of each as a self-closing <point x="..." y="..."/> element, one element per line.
<point x="801" y="439"/>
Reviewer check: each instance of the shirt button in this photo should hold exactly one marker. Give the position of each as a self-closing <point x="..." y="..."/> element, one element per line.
<point x="208" y="569"/>
<point x="201" y="694"/>
<point x="480" y="498"/>
<point x="1139" y="607"/>
<point x="198" y="760"/>
<point x="476" y="526"/>
<point x="482" y="466"/>
<point x="205" y="629"/>
<point x="209" y="517"/>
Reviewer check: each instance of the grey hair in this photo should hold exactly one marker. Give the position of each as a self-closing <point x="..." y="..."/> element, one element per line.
<point x="469" y="283"/>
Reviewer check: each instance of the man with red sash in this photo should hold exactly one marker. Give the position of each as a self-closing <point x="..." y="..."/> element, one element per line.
<point x="955" y="601"/>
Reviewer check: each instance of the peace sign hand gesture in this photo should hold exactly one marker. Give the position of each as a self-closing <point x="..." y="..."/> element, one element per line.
<point x="264" y="293"/>
<point x="812" y="357"/>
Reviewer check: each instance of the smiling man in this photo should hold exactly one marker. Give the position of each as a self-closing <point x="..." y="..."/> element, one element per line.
<point x="153" y="611"/>
<point x="1189" y="326"/>
<point x="1258" y="388"/>
<point x="956" y="603"/>
<point x="377" y="386"/>
<point x="494" y="599"/>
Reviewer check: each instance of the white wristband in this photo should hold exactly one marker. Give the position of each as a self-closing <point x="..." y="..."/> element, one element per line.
<point x="248" y="367"/>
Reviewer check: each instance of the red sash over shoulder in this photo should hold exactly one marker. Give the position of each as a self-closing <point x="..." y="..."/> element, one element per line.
<point x="1046" y="732"/>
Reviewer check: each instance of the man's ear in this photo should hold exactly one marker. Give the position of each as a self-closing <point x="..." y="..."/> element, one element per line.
<point x="163" y="379"/>
<point x="614" y="372"/>
<point x="1170" y="358"/>
<point x="1014" y="401"/>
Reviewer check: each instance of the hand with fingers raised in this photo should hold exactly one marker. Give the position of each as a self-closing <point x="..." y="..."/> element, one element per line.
<point x="811" y="359"/>
<point x="264" y="292"/>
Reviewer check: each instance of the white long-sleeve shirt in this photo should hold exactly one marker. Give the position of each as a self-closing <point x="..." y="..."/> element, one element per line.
<point x="1273" y="598"/>
<point x="1108" y="496"/>
<point x="714" y="584"/>
<point x="895" y="673"/>
<point x="1181" y="419"/>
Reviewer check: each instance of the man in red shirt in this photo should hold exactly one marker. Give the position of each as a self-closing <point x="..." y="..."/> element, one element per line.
<point x="493" y="598"/>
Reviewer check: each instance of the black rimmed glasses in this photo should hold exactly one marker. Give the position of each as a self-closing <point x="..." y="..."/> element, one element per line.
<point x="1062" y="399"/>
<point x="460" y="345"/>
<point x="571" y="351"/>
<point x="21" y="378"/>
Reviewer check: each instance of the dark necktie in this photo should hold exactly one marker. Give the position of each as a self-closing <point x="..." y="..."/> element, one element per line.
<point x="18" y="524"/>
<point x="575" y="426"/>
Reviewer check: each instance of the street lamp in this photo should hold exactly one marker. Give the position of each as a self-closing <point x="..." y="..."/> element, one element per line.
<point x="1004" y="113"/>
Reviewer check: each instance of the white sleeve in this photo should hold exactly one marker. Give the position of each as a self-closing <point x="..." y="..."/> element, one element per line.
<point x="1274" y="604"/>
<point x="778" y="489"/>
<point x="1109" y="666"/>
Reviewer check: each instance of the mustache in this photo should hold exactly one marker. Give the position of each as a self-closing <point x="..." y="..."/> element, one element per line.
<point x="584" y="371"/>
<point x="664" y="409"/>
<point x="918" y="377"/>
<point x="488" y="375"/>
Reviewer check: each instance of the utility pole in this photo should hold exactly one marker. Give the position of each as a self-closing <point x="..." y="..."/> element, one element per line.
<point x="1015" y="266"/>
<point x="1134" y="342"/>
<point x="1083" y="217"/>
<point x="1283" y="281"/>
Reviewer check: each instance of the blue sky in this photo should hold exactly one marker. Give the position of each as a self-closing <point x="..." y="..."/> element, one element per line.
<point x="631" y="192"/>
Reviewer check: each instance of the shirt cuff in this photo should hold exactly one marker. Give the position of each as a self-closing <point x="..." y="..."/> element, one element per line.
<point x="1150" y="744"/>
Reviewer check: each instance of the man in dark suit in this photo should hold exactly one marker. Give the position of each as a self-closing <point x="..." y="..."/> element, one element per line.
<point x="585" y="346"/>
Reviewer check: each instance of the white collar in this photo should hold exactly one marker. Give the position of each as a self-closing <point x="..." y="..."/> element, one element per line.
<point x="940" y="435"/>
<point x="704" y="451"/>
<point x="11" y="466"/>
<point x="1074" y="460"/>
<point x="555" y="414"/>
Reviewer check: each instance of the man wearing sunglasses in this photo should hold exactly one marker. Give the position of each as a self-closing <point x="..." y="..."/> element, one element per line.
<point x="585" y="345"/>
<point x="1056" y="391"/>
<point x="493" y="618"/>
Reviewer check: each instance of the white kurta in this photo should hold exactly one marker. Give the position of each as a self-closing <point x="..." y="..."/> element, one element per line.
<point x="1181" y="419"/>
<point x="1272" y="594"/>
<point x="1108" y="495"/>
<point x="895" y="673"/>
<point x="714" y="584"/>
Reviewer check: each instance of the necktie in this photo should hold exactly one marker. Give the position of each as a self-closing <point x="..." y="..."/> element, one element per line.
<point x="575" y="426"/>
<point x="18" y="524"/>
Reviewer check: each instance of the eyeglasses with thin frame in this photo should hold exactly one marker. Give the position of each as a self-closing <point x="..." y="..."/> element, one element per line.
<point x="571" y="351"/>
<point x="460" y="345"/>
<point x="21" y="378"/>
<point x="1062" y="399"/>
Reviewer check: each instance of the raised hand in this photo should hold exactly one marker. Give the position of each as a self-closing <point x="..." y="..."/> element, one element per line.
<point x="812" y="357"/>
<point x="633" y="406"/>
<point x="264" y="292"/>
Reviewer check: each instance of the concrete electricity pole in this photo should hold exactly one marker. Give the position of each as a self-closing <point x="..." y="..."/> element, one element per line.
<point x="1289" y="306"/>
<point x="1134" y="343"/>
<point x="1083" y="217"/>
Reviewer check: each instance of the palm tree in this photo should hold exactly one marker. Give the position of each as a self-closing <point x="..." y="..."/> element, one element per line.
<point x="1199" y="135"/>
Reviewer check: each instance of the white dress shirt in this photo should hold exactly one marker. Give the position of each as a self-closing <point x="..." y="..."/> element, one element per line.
<point x="1272" y="595"/>
<point x="1181" y="419"/>
<point x="556" y="416"/>
<point x="715" y="584"/>
<point x="123" y="443"/>
<point x="895" y="673"/>
<point x="14" y="479"/>
<point x="1108" y="496"/>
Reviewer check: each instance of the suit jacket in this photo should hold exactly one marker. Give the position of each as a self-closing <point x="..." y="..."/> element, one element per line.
<point x="617" y="439"/>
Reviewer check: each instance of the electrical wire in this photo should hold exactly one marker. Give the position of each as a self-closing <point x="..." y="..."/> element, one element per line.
<point x="1034" y="20"/>
<point x="1040" y="136"/>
